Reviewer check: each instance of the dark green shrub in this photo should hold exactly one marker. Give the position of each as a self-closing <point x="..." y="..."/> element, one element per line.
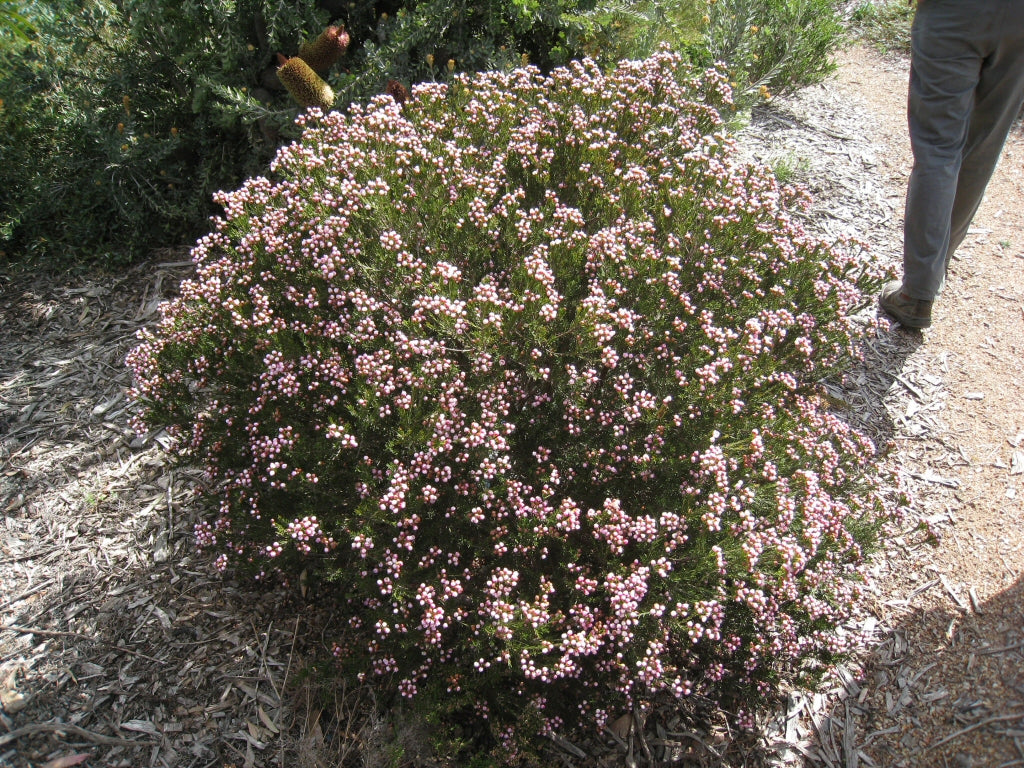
<point x="122" y="117"/>
<point x="632" y="29"/>
<point x="523" y="369"/>
<point x="415" y="41"/>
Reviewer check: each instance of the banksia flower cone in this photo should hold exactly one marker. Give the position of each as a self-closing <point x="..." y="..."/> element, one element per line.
<point x="305" y="85"/>
<point x="323" y="52"/>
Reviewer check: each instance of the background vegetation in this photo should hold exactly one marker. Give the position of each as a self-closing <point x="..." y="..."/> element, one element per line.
<point x="884" y="24"/>
<point x="120" y="118"/>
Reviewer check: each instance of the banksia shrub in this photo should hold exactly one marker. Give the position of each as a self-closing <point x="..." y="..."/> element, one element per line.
<point x="91" y="178"/>
<point x="524" y="370"/>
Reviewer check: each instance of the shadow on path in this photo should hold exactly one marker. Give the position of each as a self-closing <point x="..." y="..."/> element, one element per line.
<point x="905" y="710"/>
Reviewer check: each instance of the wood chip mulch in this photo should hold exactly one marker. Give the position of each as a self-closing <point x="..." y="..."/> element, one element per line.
<point x="116" y="641"/>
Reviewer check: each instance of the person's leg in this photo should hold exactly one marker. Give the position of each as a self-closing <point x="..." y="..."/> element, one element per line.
<point x="946" y="66"/>
<point x="998" y="100"/>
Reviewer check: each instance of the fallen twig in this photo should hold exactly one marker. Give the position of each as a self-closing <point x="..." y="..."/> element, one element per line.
<point x="97" y="738"/>
<point x="911" y="389"/>
<point x="568" y="746"/>
<point x="975" y="726"/>
<point x="956" y="598"/>
<point x="615" y="736"/>
<point x="75" y="635"/>
<point x="698" y="739"/>
<point x="28" y="592"/>
<point x="930" y="478"/>
<point x="1001" y="649"/>
<point x="871" y="736"/>
<point x="639" y="724"/>
<point x="975" y="602"/>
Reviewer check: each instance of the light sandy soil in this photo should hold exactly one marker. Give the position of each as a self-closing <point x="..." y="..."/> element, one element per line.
<point x="944" y="683"/>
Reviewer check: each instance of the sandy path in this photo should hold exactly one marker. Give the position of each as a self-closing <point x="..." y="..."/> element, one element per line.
<point x="944" y="686"/>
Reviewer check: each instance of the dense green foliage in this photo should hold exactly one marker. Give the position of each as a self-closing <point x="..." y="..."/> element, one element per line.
<point x="13" y="22"/>
<point x="120" y="118"/>
<point x="117" y="126"/>
<point x="771" y="48"/>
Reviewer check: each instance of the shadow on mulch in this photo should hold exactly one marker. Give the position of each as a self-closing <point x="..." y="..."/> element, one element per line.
<point x="119" y="645"/>
<point x="942" y="725"/>
<point x="901" y="708"/>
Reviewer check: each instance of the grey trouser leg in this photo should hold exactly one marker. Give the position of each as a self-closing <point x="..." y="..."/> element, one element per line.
<point x="966" y="88"/>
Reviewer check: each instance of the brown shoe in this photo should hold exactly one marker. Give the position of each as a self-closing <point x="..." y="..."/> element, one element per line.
<point x="911" y="313"/>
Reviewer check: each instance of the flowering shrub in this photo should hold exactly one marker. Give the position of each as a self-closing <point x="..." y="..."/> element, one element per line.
<point x="524" y="366"/>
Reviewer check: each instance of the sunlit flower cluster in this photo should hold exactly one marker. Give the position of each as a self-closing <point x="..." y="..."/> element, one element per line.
<point x="525" y="365"/>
